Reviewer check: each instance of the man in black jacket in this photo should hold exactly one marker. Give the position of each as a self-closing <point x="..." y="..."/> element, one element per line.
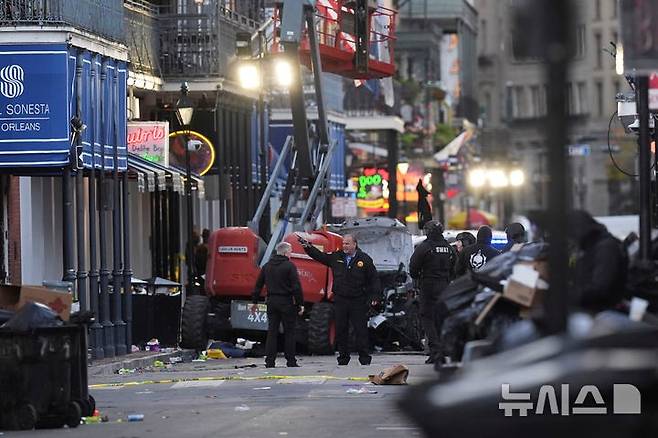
<point x="284" y="302"/>
<point x="601" y="265"/>
<point x="476" y="256"/>
<point x="432" y="263"/>
<point x="515" y="235"/>
<point x="356" y="287"/>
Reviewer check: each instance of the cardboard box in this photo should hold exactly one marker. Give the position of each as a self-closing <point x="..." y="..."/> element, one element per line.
<point x="520" y="293"/>
<point x="541" y="266"/>
<point x="14" y="297"/>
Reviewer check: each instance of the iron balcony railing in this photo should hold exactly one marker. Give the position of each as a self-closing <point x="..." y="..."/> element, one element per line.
<point x="100" y="17"/>
<point x="200" y="44"/>
<point x="143" y="36"/>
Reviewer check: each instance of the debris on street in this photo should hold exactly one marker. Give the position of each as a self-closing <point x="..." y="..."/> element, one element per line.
<point x="396" y="375"/>
<point x="136" y="417"/>
<point x="362" y="390"/>
<point x="242" y="408"/>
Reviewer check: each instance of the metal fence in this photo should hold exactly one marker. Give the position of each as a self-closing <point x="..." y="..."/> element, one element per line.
<point x="142" y="36"/>
<point x="101" y="17"/>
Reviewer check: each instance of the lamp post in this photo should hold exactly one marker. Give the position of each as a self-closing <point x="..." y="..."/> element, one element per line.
<point x="184" y="113"/>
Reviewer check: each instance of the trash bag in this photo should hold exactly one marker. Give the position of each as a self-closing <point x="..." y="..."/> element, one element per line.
<point x="459" y="293"/>
<point x="500" y="267"/>
<point x="5" y="315"/>
<point x="31" y="316"/>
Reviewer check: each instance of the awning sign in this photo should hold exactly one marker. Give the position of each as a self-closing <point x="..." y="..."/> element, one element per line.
<point x="149" y="140"/>
<point x="34" y="110"/>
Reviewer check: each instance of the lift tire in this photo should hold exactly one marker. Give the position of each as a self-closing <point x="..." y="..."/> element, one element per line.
<point x="321" y="331"/>
<point x="73" y="415"/>
<point x="194" y="333"/>
<point x="24" y="417"/>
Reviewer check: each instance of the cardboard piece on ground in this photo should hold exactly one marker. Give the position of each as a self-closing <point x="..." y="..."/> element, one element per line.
<point x="396" y="375"/>
<point x="13" y="297"/>
<point x="520" y="293"/>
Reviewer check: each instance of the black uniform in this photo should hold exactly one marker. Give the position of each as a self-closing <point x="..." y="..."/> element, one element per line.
<point x="355" y="285"/>
<point x="601" y="264"/>
<point x="474" y="257"/>
<point x="432" y="263"/>
<point x="284" y="296"/>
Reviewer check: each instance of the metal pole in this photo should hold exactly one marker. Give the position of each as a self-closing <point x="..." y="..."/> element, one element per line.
<point x="96" y="341"/>
<point x="79" y="198"/>
<point x="644" y="167"/>
<point x="127" y="268"/>
<point x="264" y="225"/>
<point x="270" y="184"/>
<point x="119" y="325"/>
<point x="556" y="25"/>
<point x="108" y="327"/>
<point x="393" y="158"/>
<point x="190" y="217"/>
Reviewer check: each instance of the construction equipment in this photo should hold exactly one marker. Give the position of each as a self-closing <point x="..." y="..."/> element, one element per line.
<point x="303" y="33"/>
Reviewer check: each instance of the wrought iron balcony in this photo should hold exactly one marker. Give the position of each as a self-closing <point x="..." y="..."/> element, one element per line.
<point x="142" y="36"/>
<point x="100" y="17"/>
<point x="199" y="44"/>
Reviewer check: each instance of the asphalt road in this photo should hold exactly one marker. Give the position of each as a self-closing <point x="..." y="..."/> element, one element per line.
<point x="223" y="398"/>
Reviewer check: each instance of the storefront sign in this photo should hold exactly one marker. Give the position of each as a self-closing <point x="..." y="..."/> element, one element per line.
<point x="149" y="140"/>
<point x="202" y="151"/>
<point x="34" y="105"/>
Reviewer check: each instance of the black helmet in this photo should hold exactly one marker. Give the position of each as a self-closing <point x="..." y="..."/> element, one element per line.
<point x="433" y="229"/>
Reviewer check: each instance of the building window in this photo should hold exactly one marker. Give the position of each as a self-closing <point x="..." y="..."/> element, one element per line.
<point x="569" y="99"/>
<point x="538" y="100"/>
<point x="580" y="41"/>
<point x="582" y="98"/>
<point x="597" y="10"/>
<point x="518" y="102"/>
<point x="599" y="98"/>
<point x="598" y="48"/>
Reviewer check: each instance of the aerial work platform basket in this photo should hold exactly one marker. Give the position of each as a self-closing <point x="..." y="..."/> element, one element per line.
<point x="356" y="39"/>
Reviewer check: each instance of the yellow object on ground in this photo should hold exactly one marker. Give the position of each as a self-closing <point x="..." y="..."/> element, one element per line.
<point x="216" y="353"/>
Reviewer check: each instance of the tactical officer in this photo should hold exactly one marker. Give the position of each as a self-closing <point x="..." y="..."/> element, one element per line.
<point x="284" y="302"/>
<point x="356" y="288"/>
<point x="432" y="263"/>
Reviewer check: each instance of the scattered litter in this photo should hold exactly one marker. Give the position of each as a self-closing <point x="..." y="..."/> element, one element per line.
<point x="216" y="353"/>
<point x="164" y="417"/>
<point x="283" y="433"/>
<point x="91" y="420"/>
<point x="395" y="375"/>
<point x="198" y="360"/>
<point x="242" y="408"/>
<point x="124" y="371"/>
<point x="263" y="388"/>
<point x="136" y="417"/>
<point x="361" y="391"/>
<point x="144" y="392"/>
<point x="158" y="364"/>
<point x="153" y="345"/>
<point x="135" y="349"/>
<point x="97" y="413"/>
<point x="176" y="359"/>
<point x="105" y="419"/>
<point x="251" y="365"/>
<point x="211" y="396"/>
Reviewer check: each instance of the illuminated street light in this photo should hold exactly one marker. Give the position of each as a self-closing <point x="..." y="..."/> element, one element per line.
<point x="516" y="178"/>
<point x="249" y="76"/>
<point x="283" y="73"/>
<point x="477" y="178"/>
<point x="497" y="178"/>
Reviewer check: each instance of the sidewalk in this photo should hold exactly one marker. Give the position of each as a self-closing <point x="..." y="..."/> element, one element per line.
<point x="142" y="359"/>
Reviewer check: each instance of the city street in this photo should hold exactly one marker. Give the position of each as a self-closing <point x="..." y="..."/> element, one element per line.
<point x="220" y="398"/>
